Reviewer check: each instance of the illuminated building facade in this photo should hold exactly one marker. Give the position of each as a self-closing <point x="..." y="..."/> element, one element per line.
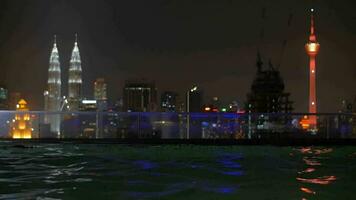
<point x="140" y="96"/>
<point x="52" y="96"/>
<point x="21" y="127"/>
<point x="100" y="94"/>
<point x="75" y="79"/>
<point x="100" y="87"/>
<point x="312" y="49"/>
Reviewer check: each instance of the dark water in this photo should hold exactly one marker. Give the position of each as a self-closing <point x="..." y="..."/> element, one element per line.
<point x="87" y="171"/>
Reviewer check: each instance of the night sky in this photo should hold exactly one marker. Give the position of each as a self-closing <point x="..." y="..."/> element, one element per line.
<point x="179" y="43"/>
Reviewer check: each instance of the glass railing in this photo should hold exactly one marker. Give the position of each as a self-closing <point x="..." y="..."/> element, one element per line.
<point x="137" y="125"/>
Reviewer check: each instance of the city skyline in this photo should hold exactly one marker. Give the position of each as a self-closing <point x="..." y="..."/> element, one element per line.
<point x="223" y="63"/>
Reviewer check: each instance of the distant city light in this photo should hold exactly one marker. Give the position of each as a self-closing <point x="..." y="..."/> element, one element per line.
<point x="89" y="101"/>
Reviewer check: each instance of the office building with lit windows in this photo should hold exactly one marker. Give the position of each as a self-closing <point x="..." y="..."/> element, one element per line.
<point x="100" y="94"/>
<point x="140" y="96"/>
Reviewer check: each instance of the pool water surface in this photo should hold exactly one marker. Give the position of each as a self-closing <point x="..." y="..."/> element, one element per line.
<point x="113" y="171"/>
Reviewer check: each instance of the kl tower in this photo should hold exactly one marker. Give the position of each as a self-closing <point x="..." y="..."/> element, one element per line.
<point x="312" y="49"/>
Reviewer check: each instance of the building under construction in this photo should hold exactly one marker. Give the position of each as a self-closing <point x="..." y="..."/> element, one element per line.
<point x="267" y="102"/>
<point x="267" y="91"/>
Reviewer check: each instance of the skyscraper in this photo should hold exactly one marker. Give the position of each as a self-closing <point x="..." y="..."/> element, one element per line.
<point x="100" y="94"/>
<point x="100" y="90"/>
<point x="140" y="96"/>
<point x="312" y="49"/>
<point x="53" y="93"/>
<point x="75" y="78"/>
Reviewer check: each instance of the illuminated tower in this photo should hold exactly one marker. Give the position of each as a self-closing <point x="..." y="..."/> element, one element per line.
<point x="53" y="93"/>
<point x="75" y="78"/>
<point x="312" y="48"/>
<point x="21" y="127"/>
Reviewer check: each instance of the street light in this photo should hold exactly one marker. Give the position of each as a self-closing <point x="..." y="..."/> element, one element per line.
<point x="195" y="88"/>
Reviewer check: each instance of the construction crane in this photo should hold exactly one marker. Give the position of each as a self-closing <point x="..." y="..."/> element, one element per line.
<point x="284" y="40"/>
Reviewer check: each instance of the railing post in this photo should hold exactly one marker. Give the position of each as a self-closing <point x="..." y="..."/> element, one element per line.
<point x="138" y="125"/>
<point x="188" y="125"/>
<point x="249" y="125"/>
<point x="327" y="127"/>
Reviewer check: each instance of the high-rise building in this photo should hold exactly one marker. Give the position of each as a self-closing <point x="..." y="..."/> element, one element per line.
<point x="100" y="89"/>
<point x="169" y="101"/>
<point x="75" y="78"/>
<point x="100" y="94"/>
<point x="4" y="98"/>
<point x="53" y="93"/>
<point x="140" y="96"/>
<point x="312" y="49"/>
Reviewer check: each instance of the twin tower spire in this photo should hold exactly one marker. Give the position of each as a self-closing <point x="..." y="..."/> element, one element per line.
<point x="53" y="98"/>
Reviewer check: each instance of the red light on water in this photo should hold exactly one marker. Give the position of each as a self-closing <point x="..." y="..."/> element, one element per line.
<point x="325" y="180"/>
<point x="307" y="190"/>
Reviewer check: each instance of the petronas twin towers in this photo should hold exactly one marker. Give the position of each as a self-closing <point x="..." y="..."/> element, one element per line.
<point x="53" y="99"/>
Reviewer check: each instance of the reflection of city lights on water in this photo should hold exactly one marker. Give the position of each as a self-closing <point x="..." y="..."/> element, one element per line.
<point x="308" y="170"/>
<point x="311" y="162"/>
<point x="305" y="150"/>
<point x="321" y="151"/>
<point x="307" y="190"/>
<point x="325" y="180"/>
<point x="312" y="159"/>
<point x="315" y="151"/>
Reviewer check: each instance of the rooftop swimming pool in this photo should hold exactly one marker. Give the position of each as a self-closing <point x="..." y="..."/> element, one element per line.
<point x="113" y="171"/>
